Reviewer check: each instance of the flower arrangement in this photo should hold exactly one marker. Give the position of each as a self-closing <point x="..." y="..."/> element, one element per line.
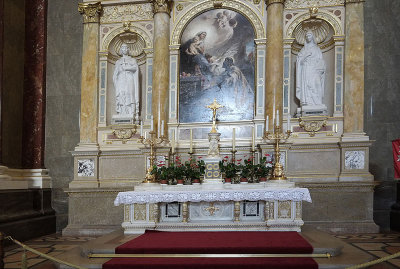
<point x="228" y="169"/>
<point x="247" y="169"/>
<point x="194" y="169"/>
<point x="263" y="168"/>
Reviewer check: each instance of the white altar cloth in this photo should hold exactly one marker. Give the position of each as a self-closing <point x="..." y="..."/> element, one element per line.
<point x="262" y="194"/>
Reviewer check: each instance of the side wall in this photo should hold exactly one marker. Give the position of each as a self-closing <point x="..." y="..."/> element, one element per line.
<point x="382" y="98"/>
<point x="64" y="50"/>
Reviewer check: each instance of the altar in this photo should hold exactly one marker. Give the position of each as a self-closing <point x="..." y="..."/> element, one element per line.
<point x="296" y="101"/>
<point x="272" y="206"/>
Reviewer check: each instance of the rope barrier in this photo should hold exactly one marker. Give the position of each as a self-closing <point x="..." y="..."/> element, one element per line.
<point x="25" y="247"/>
<point x="364" y="265"/>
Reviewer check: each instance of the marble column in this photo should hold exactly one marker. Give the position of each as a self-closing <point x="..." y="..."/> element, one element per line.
<point x="354" y="69"/>
<point x="274" y="59"/>
<point x="161" y="9"/>
<point x="88" y="120"/>
<point x="34" y="98"/>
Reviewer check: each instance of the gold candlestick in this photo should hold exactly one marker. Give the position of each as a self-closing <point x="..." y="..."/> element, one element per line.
<point x="277" y="136"/>
<point x="152" y="141"/>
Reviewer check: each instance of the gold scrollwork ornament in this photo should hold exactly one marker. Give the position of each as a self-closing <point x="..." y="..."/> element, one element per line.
<point x="312" y="126"/>
<point x="90" y="12"/>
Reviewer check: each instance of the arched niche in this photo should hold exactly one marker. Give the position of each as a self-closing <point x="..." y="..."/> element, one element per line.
<point x="138" y="40"/>
<point x="328" y="31"/>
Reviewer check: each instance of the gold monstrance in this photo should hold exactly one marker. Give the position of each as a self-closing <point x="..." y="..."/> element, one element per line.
<point x="214" y="106"/>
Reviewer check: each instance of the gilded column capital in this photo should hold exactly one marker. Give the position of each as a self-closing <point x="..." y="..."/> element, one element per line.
<point x="353" y="1"/>
<point x="162" y="6"/>
<point x="90" y="12"/>
<point x="270" y="2"/>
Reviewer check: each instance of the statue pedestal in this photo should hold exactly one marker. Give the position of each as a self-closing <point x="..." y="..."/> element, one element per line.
<point x="212" y="175"/>
<point x="312" y="111"/>
<point x="117" y="119"/>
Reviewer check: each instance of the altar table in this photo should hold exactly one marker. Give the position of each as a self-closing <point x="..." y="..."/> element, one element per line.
<point x="233" y="207"/>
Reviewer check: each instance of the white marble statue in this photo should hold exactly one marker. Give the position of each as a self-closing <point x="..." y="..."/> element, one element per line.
<point x="126" y="84"/>
<point x="310" y="75"/>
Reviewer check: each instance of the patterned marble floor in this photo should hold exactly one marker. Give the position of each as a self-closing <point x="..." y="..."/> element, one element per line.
<point x="53" y="245"/>
<point x="377" y="245"/>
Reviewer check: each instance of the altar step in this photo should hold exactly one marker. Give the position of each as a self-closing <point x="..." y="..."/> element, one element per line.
<point x="343" y="255"/>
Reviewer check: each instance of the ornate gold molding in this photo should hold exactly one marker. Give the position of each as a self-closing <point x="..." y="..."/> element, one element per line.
<point x="296" y="4"/>
<point x="312" y="126"/>
<point x="270" y="2"/>
<point x="90" y="12"/>
<point x="130" y="12"/>
<point x="162" y="6"/>
<point x="201" y="7"/>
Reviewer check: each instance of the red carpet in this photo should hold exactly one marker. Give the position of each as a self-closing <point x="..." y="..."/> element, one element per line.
<point x="154" y="242"/>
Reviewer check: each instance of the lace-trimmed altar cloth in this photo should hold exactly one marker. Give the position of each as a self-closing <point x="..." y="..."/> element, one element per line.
<point x="144" y="197"/>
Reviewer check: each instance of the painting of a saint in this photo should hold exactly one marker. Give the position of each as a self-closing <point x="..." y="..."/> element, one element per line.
<point x="217" y="61"/>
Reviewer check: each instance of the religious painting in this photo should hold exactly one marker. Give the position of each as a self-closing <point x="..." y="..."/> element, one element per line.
<point x="217" y="62"/>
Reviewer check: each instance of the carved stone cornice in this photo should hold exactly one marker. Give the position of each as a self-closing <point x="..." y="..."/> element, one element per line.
<point x="90" y="12"/>
<point x="353" y="1"/>
<point x="270" y="2"/>
<point x="162" y="6"/>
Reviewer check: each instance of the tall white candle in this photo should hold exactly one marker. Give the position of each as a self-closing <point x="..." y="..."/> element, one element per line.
<point x="253" y="142"/>
<point x="145" y="135"/>
<point x="267" y="123"/>
<point x="277" y="117"/>
<point x="273" y="111"/>
<point x="141" y="128"/>
<point x="152" y="123"/>
<point x="162" y="128"/>
<point x="288" y="122"/>
<point x="191" y="140"/>
<point x="173" y="142"/>
<point x="233" y="139"/>
<point x="159" y="120"/>
<point x="273" y="117"/>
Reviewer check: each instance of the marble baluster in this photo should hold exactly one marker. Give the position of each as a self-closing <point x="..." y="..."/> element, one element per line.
<point x="161" y="9"/>
<point x="89" y="83"/>
<point x="34" y="97"/>
<point x="354" y="68"/>
<point x="274" y="58"/>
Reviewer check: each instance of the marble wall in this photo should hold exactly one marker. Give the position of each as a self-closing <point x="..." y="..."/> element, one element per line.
<point x="382" y="97"/>
<point x="64" y="52"/>
<point x="13" y="82"/>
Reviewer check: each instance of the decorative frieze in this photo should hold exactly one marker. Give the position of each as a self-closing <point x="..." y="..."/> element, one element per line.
<point x="131" y="12"/>
<point x="311" y="3"/>
<point x="90" y="12"/>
